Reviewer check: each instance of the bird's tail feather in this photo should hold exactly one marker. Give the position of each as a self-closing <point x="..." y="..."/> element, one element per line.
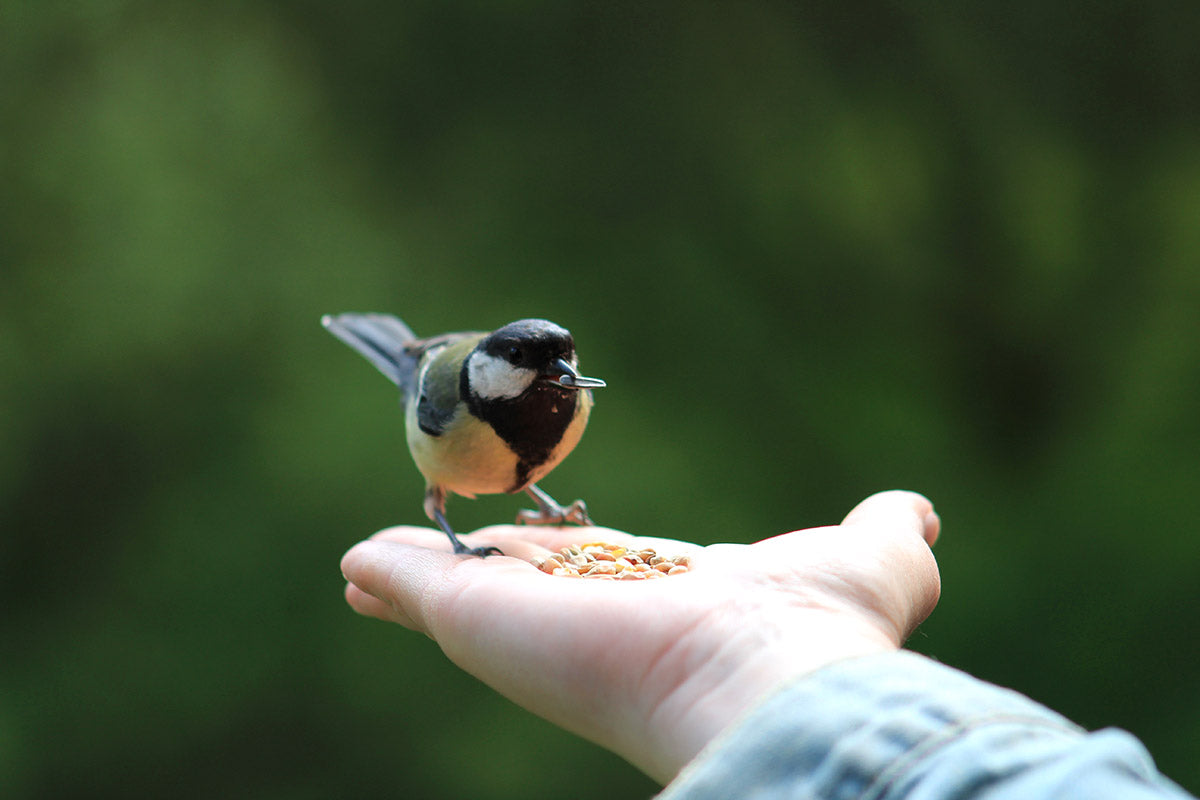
<point x="381" y="339"/>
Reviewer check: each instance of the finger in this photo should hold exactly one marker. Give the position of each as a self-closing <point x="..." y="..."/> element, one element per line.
<point x="414" y="535"/>
<point x="543" y="536"/>
<point x="432" y="539"/>
<point x="527" y="542"/>
<point x="552" y="538"/>
<point x="898" y="510"/>
<point x="412" y="583"/>
<point x="397" y="576"/>
<point x="370" y="606"/>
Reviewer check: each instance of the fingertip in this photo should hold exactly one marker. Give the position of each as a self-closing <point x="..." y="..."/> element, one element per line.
<point x="896" y="505"/>
<point x="356" y="557"/>
<point x="368" y="605"/>
<point x="891" y="501"/>
<point x="356" y="598"/>
<point x="933" y="527"/>
<point x="385" y="579"/>
<point x="379" y="567"/>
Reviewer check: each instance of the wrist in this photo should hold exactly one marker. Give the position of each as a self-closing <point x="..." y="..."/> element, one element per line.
<point x="742" y="672"/>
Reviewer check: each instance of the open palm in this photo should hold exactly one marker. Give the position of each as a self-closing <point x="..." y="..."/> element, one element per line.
<point x="653" y="670"/>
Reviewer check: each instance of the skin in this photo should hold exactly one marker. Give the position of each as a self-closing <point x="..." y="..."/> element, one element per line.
<point x="655" y="670"/>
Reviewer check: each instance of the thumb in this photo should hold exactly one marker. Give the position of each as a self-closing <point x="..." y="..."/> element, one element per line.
<point x="897" y="508"/>
<point x="903" y="525"/>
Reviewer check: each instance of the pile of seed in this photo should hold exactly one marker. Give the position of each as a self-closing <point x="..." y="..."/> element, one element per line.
<point x="611" y="562"/>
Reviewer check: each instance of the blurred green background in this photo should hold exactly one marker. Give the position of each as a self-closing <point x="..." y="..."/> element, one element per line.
<point x="817" y="249"/>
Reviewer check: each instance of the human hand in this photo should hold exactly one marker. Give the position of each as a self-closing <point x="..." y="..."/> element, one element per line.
<point x="654" y="670"/>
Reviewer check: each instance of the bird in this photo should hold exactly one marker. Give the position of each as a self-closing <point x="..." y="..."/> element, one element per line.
<point x="485" y="413"/>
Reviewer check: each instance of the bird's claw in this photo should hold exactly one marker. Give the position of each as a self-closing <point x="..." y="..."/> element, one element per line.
<point x="576" y="513"/>
<point x="482" y="552"/>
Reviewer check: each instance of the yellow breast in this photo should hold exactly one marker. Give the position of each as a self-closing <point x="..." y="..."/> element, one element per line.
<point x="468" y="458"/>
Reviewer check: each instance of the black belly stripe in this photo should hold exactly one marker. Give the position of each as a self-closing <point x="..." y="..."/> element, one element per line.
<point x="531" y="425"/>
<point x="523" y="470"/>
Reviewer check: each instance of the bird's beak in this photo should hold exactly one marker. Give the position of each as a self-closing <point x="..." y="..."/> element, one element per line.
<point x="561" y="373"/>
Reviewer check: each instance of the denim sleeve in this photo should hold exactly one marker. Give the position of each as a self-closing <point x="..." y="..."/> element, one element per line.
<point x="903" y="726"/>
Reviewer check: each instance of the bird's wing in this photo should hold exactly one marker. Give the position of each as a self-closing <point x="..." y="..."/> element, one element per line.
<point x="438" y="393"/>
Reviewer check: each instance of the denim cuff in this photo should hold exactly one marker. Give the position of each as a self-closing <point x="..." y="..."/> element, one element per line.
<point x="902" y="725"/>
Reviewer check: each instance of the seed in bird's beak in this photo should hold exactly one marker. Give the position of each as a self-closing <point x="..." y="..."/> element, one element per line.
<point x="565" y="375"/>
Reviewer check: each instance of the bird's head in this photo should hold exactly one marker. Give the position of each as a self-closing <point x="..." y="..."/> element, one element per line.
<point x="523" y="355"/>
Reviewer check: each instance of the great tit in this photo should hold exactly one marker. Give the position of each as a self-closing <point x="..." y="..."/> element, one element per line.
<point x="485" y="413"/>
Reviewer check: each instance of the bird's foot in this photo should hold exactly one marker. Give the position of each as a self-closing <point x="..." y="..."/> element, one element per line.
<point x="554" y="514"/>
<point x="461" y="549"/>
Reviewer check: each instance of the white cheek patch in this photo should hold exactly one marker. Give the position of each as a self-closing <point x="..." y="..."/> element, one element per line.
<point x="495" y="379"/>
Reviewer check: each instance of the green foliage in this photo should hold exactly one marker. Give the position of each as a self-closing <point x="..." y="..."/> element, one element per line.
<point x="817" y="250"/>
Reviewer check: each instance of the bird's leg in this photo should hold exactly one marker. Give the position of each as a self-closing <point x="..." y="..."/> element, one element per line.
<point x="435" y="509"/>
<point x="549" y="512"/>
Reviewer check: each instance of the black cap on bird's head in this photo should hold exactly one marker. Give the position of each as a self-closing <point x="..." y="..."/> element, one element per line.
<point x="529" y="343"/>
<point x="509" y="360"/>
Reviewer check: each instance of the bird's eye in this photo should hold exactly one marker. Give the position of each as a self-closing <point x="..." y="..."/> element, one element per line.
<point x="514" y="354"/>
